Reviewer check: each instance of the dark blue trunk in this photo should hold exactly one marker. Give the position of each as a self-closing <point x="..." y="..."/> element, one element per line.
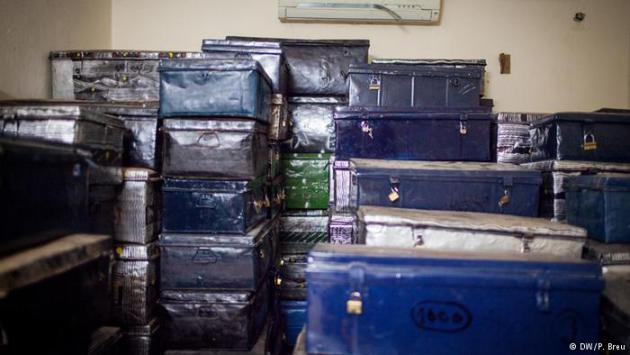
<point x="471" y="187"/>
<point x="600" y="204"/>
<point x="212" y="206"/>
<point x="592" y="136"/>
<point x="427" y="84"/>
<point x="412" y="135"/>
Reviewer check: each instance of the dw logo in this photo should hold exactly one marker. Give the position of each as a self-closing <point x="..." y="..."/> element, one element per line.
<point x="448" y="317"/>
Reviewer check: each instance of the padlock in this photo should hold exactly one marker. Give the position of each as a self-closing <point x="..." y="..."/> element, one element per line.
<point x="375" y="84"/>
<point x="505" y="199"/>
<point x="354" y="305"/>
<point x="589" y="142"/>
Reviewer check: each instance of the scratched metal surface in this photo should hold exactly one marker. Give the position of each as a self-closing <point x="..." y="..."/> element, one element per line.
<point x="422" y="83"/>
<point x="239" y="262"/>
<point x="279" y="124"/>
<point x="109" y="75"/>
<point x="138" y="207"/>
<point x="312" y="124"/>
<point x="448" y="303"/>
<point x="318" y="67"/>
<point x="220" y="319"/>
<point x="306" y="181"/>
<point x="216" y="88"/>
<point x="135" y="283"/>
<point x="268" y="54"/>
<point x="215" y="148"/>
<point x="65" y="123"/>
<point x="212" y="206"/>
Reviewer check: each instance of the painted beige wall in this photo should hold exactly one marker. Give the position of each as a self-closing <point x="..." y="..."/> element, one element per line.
<point x="557" y="64"/>
<point x="30" y="29"/>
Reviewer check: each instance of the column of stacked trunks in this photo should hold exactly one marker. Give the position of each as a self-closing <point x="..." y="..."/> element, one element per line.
<point x="217" y="241"/>
<point x="316" y="84"/>
<point x="66" y="204"/>
<point x="585" y="159"/>
<point x="125" y="84"/>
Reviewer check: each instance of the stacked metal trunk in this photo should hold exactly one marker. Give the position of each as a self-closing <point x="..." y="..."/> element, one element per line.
<point x="316" y="83"/>
<point x="221" y="195"/>
<point x="125" y="84"/>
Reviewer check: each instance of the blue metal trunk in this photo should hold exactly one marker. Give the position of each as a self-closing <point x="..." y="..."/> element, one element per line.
<point x="592" y="136"/>
<point x="214" y="87"/>
<point x="293" y="315"/>
<point x="366" y="300"/>
<point x="412" y="135"/>
<point x="600" y="204"/>
<point x="212" y="206"/>
<point x="453" y="186"/>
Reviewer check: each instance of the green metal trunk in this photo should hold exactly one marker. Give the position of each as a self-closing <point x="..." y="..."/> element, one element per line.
<point x="306" y="180"/>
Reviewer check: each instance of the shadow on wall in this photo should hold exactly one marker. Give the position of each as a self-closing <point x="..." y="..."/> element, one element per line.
<point x="4" y="95"/>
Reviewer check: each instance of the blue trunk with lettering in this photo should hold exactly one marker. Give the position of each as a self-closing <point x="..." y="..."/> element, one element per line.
<point x="212" y="206"/>
<point x="366" y="300"/>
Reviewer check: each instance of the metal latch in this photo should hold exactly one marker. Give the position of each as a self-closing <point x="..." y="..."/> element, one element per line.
<point x="543" y="302"/>
<point x="462" y="124"/>
<point x="354" y="304"/>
